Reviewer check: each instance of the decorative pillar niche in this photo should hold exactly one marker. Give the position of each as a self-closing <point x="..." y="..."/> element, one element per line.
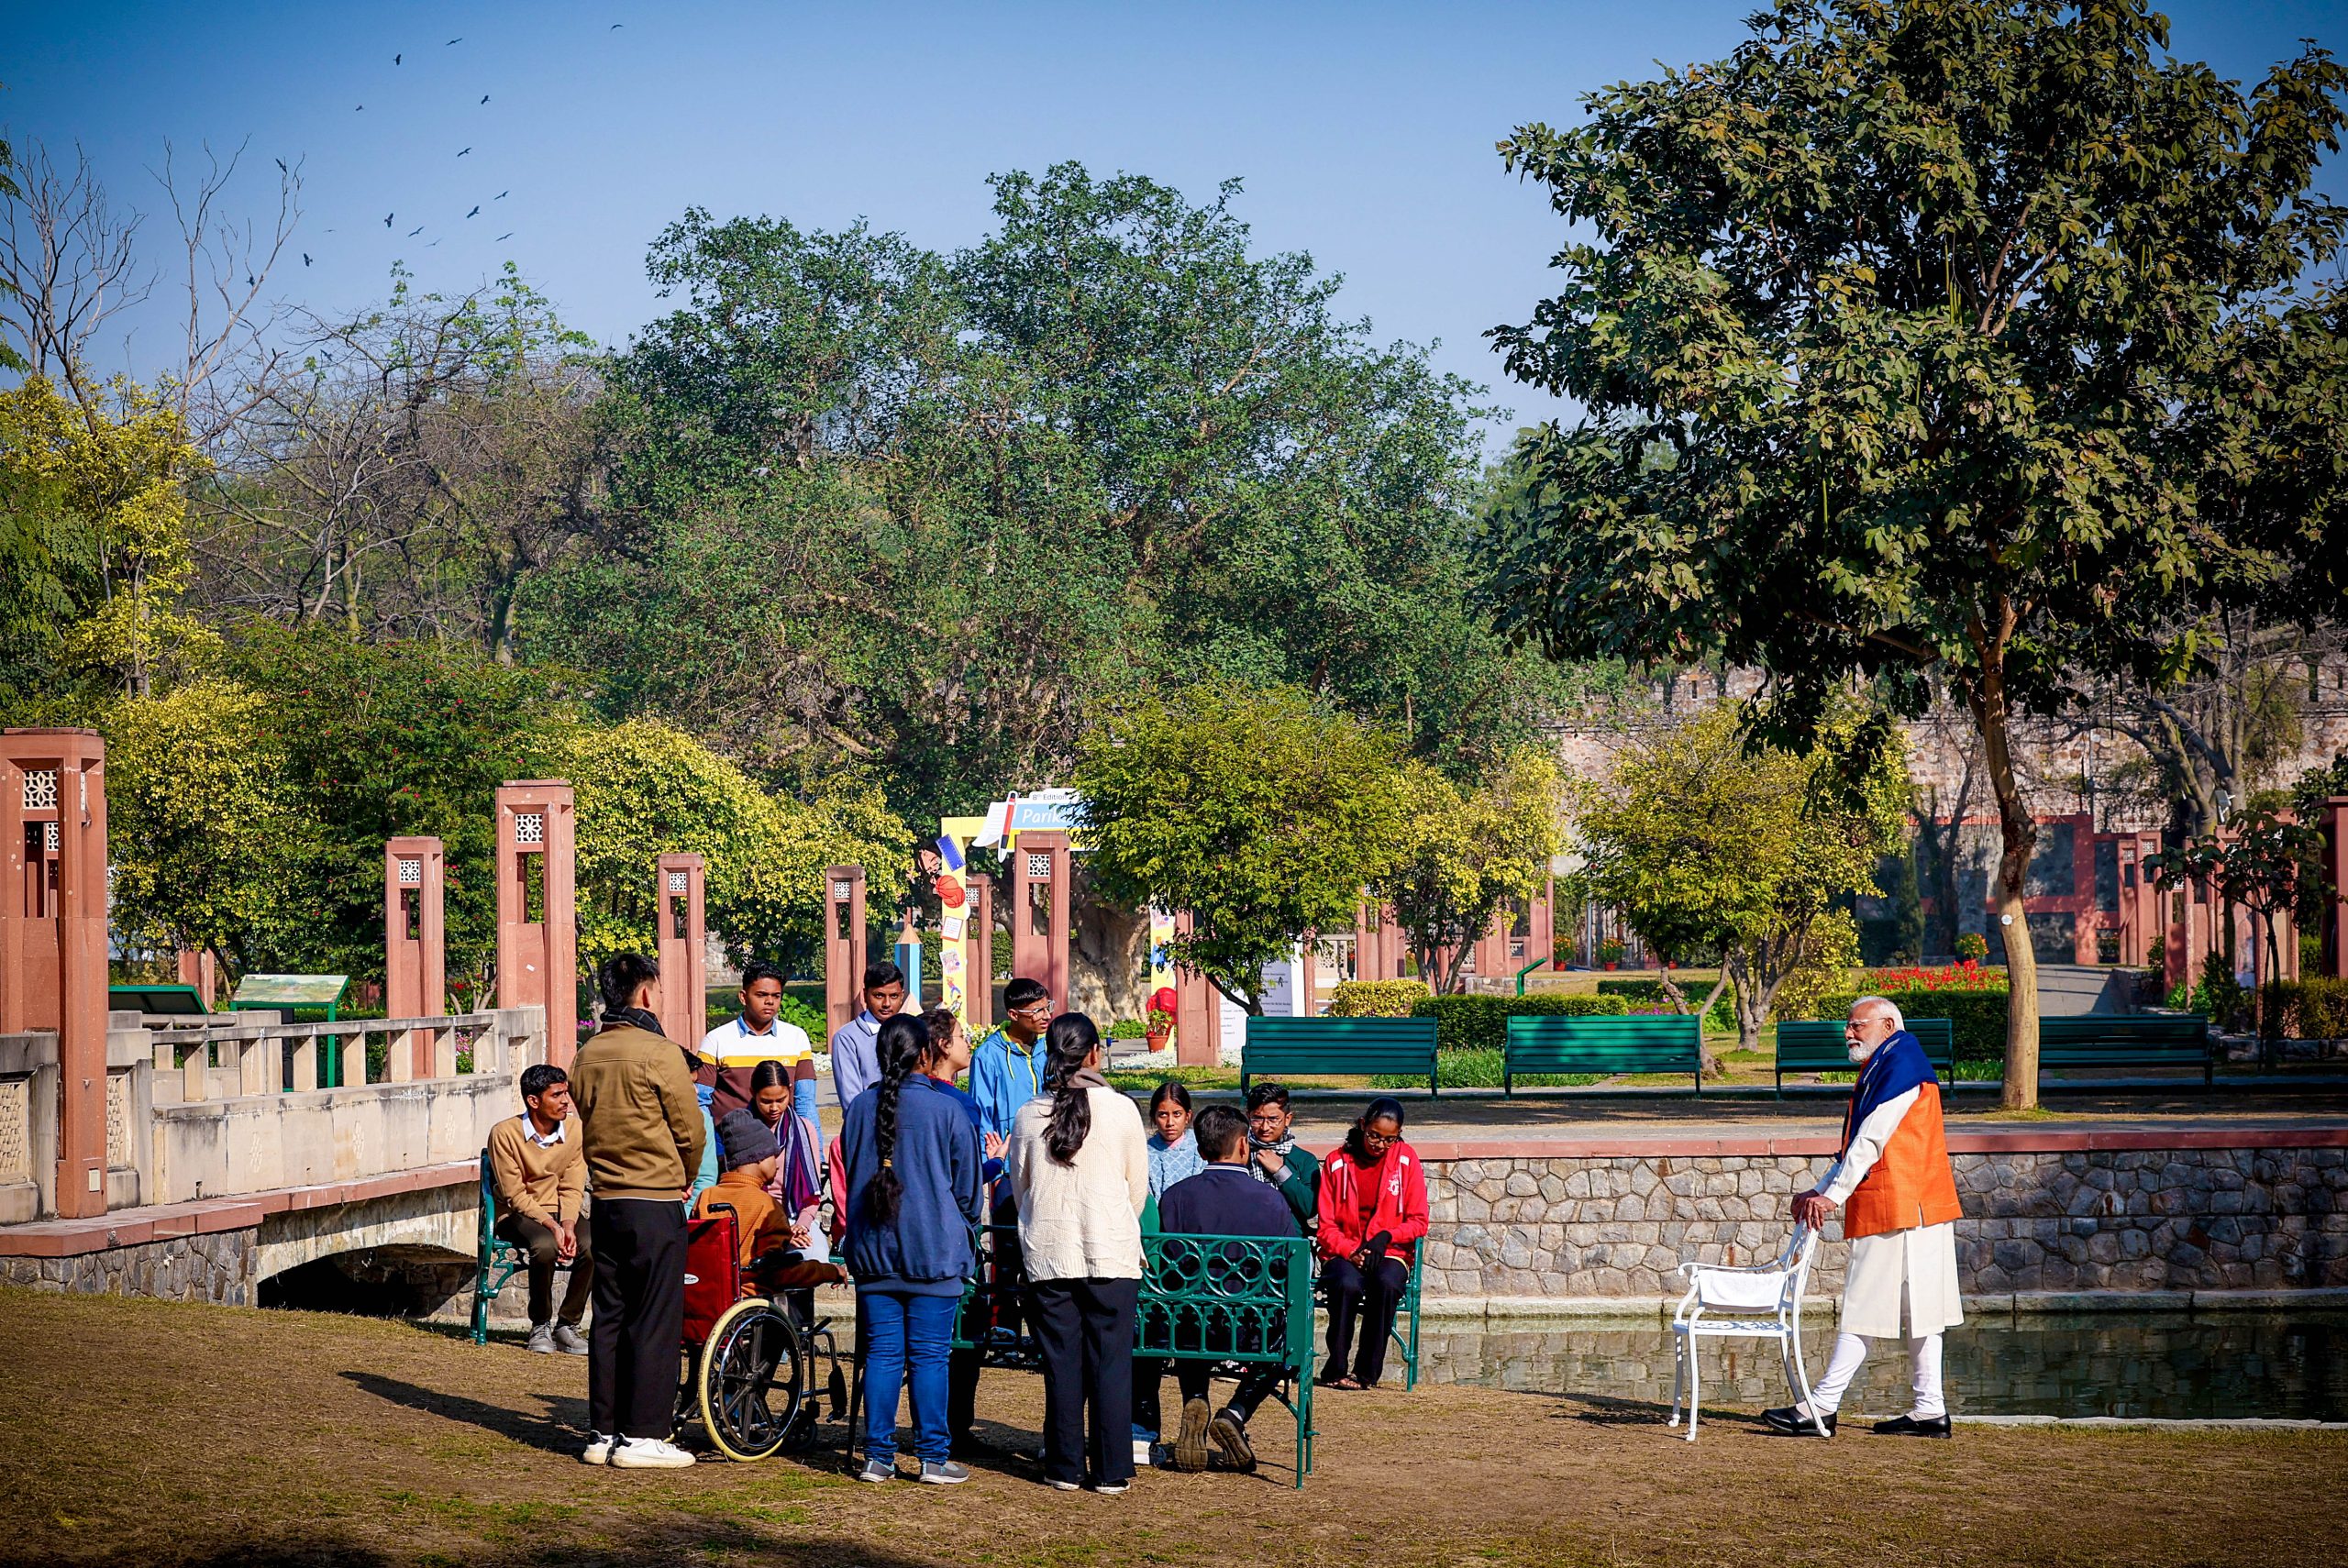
<point x="537" y="912"/>
<point x="415" y="948"/>
<point x="979" y="986"/>
<point x="1039" y="911"/>
<point x="684" y="953"/>
<point x="53" y="935"/>
<point x="843" y="946"/>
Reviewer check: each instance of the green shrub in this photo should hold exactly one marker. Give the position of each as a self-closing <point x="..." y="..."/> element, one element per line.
<point x="1128" y="1029"/>
<point x="1480" y="1023"/>
<point x="1972" y="944"/>
<point x="2313" y="1009"/>
<point x="1375" y="999"/>
<point x="1721" y="1020"/>
<point x="1480" y="1067"/>
<point x="810" y="1019"/>
<point x="1976" y="1019"/>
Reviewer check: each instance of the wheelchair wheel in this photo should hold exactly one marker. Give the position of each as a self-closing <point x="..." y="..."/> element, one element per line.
<point x="752" y="1380"/>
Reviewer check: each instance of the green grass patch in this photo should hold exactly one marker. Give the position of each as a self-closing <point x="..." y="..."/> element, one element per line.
<point x="1144" y="1080"/>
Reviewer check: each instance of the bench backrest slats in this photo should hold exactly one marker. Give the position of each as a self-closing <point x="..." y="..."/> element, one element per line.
<point x="1818" y="1046"/>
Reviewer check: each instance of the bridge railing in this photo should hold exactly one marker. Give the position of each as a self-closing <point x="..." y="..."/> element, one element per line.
<point x="236" y="1055"/>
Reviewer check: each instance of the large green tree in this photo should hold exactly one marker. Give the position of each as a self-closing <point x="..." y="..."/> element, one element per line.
<point x="1466" y="851"/>
<point x="919" y="516"/>
<point x="1943" y="343"/>
<point x="1257" y="810"/>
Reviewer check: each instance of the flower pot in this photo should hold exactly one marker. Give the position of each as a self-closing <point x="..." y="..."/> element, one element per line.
<point x="1610" y="963"/>
<point x="1156" y="1039"/>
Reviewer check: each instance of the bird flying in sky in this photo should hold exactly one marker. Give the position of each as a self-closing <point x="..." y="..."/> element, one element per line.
<point x="388" y="217"/>
<point x="475" y="213"/>
<point x="461" y="154"/>
<point x="507" y="235"/>
<point x="305" y="259"/>
<point x="453" y="43"/>
<point x="501" y="195"/>
<point x="416" y="230"/>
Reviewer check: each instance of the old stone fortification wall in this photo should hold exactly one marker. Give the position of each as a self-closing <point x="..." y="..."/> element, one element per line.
<point x="2161" y="1221"/>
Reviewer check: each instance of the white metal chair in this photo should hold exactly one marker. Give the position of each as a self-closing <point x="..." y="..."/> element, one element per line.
<point x="1742" y="1296"/>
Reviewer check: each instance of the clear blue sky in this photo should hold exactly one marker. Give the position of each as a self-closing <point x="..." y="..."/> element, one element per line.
<point x="1364" y="131"/>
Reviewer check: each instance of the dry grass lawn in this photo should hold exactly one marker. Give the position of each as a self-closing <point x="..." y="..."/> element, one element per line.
<point x="139" y="1433"/>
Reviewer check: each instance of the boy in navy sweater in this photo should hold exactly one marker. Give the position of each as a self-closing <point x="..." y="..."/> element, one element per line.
<point x="1224" y="1199"/>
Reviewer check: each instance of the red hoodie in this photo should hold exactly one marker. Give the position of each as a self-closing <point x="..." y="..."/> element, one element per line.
<point x="1401" y="1209"/>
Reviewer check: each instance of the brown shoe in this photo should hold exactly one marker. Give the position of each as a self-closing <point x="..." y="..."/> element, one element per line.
<point x="1190" y="1442"/>
<point x="1229" y="1435"/>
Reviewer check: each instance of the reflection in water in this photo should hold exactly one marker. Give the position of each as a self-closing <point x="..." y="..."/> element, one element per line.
<point x="2163" y="1365"/>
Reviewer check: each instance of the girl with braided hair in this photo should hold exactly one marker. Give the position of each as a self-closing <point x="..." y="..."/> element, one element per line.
<point x="913" y="1185"/>
<point x="1080" y="1166"/>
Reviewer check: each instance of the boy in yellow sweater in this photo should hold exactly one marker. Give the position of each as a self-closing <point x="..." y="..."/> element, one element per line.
<point x="539" y="1176"/>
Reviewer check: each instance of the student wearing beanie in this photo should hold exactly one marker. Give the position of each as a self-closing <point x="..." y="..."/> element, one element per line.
<point x="749" y="1154"/>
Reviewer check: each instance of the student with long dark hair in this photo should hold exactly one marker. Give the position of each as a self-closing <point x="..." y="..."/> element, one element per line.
<point x="1373" y="1207"/>
<point x="1078" y="1167"/>
<point x="912" y="1195"/>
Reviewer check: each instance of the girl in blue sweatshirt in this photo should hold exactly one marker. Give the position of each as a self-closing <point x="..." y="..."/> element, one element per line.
<point x="913" y="1185"/>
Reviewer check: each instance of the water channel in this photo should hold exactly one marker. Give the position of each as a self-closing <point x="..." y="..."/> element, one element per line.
<point x="2160" y="1365"/>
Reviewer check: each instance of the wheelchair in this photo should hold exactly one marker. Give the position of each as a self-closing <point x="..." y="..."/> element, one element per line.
<point x="762" y="1372"/>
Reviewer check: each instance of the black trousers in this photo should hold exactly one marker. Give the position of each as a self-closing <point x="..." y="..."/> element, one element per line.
<point x="639" y="1328"/>
<point x="1367" y="1301"/>
<point x="996" y="1307"/>
<point x="1084" y="1330"/>
<point x="538" y="1242"/>
<point x="1255" y="1385"/>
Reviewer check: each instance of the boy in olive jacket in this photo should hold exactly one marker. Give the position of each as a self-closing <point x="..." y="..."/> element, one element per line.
<point x="641" y="1134"/>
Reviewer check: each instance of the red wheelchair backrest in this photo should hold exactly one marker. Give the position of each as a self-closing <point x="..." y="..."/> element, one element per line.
<point x="712" y="1266"/>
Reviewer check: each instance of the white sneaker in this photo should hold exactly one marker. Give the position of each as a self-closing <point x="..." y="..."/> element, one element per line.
<point x="650" y="1453"/>
<point x="598" y="1449"/>
<point x="1114" y="1489"/>
<point x="541" y="1340"/>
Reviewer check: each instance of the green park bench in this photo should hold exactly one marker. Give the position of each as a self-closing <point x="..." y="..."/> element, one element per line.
<point x="162" y="1005"/>
<point x="495" y="1260"/>
<point x="1339" y="1047"/>
<point x="1234" y="1301"/>
<point x="2127" y="1040"/>
<point x="1819" y="1047"/>
<point x="1643" y="1042"/>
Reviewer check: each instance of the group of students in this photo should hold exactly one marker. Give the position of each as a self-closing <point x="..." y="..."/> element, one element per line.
<point x="1039" y="1146"/>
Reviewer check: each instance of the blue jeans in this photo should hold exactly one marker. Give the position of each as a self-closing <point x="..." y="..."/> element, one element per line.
<point x="906" y="1338"/>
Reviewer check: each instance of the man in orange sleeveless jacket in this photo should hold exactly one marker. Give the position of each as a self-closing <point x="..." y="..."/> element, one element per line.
<point x="1899" y="1209"/>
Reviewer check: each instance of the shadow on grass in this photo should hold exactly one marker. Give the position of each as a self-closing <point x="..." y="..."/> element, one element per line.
<point x="1608" y="1410"/>
<point x="698" y="1540"/>
<point x="559" y="1430"/>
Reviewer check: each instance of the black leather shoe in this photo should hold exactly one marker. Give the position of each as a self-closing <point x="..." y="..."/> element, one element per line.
<point x="1908" y="1426"/>
<point x="1786" y="1422"/>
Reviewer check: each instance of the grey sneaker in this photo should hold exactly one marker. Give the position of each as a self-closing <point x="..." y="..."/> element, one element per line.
<point x="944" y="1473"/>
<point x="569" y="1340"/>
<point x="880" y="1470"/>
<point x="541" y="1340"/>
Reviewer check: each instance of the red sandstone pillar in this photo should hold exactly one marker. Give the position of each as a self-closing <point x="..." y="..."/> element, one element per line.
<point x="979" y="991"/>
<point x="197" y="968"/>
<point x="843" y="946"/>
<point x="684" y="951"/>
<point x="1198" y="1012"/>
<point x="414" y="942"/>
<point x="538" y="907"/>
<point x="53" y="935"/>
<point x="2335" y="870"/>
<point x="1039" y="911"/>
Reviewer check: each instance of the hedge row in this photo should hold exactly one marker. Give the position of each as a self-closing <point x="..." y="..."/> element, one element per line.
<point x="1480" y="1023"/>
<point x="1721" y="1020"/>
<point x="1375" y="999"/>
<point x="2313" y="1009"/>
<point x="1976" y="1019"/>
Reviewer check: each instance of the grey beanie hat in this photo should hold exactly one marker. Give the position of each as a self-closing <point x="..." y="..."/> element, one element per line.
<point x="745" y="1140"/>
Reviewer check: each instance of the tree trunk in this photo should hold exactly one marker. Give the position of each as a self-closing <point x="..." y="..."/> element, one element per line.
<point x="1752" y="1003"/>
<point x="2020" y="836"/>
<point x="1108" y="970"/>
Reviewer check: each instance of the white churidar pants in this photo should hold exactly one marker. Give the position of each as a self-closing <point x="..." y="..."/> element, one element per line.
<point x="1923" y="1374"/>
<point x="1919" y="1263"/>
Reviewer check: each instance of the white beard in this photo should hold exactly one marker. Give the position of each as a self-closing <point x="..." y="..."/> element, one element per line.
<point x="1859" y="1054"/>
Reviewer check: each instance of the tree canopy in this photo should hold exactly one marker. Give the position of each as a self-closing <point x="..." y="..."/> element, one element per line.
<point x="1467" y="850"/>
<point x="1968" y="345"/>
<point x="1257" y="812"/>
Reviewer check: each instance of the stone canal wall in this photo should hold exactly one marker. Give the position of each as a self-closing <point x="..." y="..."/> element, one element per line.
<point x="2158" y="1217"/>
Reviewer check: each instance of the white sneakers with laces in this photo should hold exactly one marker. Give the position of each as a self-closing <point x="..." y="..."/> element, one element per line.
<point x="650" y="1453"/>
<point x="598" y="1449"/>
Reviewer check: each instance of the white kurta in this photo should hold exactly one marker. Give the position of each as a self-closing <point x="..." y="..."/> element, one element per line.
<point x="1919" y="1262"/>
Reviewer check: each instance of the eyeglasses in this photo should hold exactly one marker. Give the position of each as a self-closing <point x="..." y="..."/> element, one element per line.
<point x="1034" y="1009"/>
<point x="1378" y="1139"/>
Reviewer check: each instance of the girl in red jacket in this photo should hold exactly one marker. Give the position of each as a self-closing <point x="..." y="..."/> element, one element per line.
<point x="1373" y="1211"/>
